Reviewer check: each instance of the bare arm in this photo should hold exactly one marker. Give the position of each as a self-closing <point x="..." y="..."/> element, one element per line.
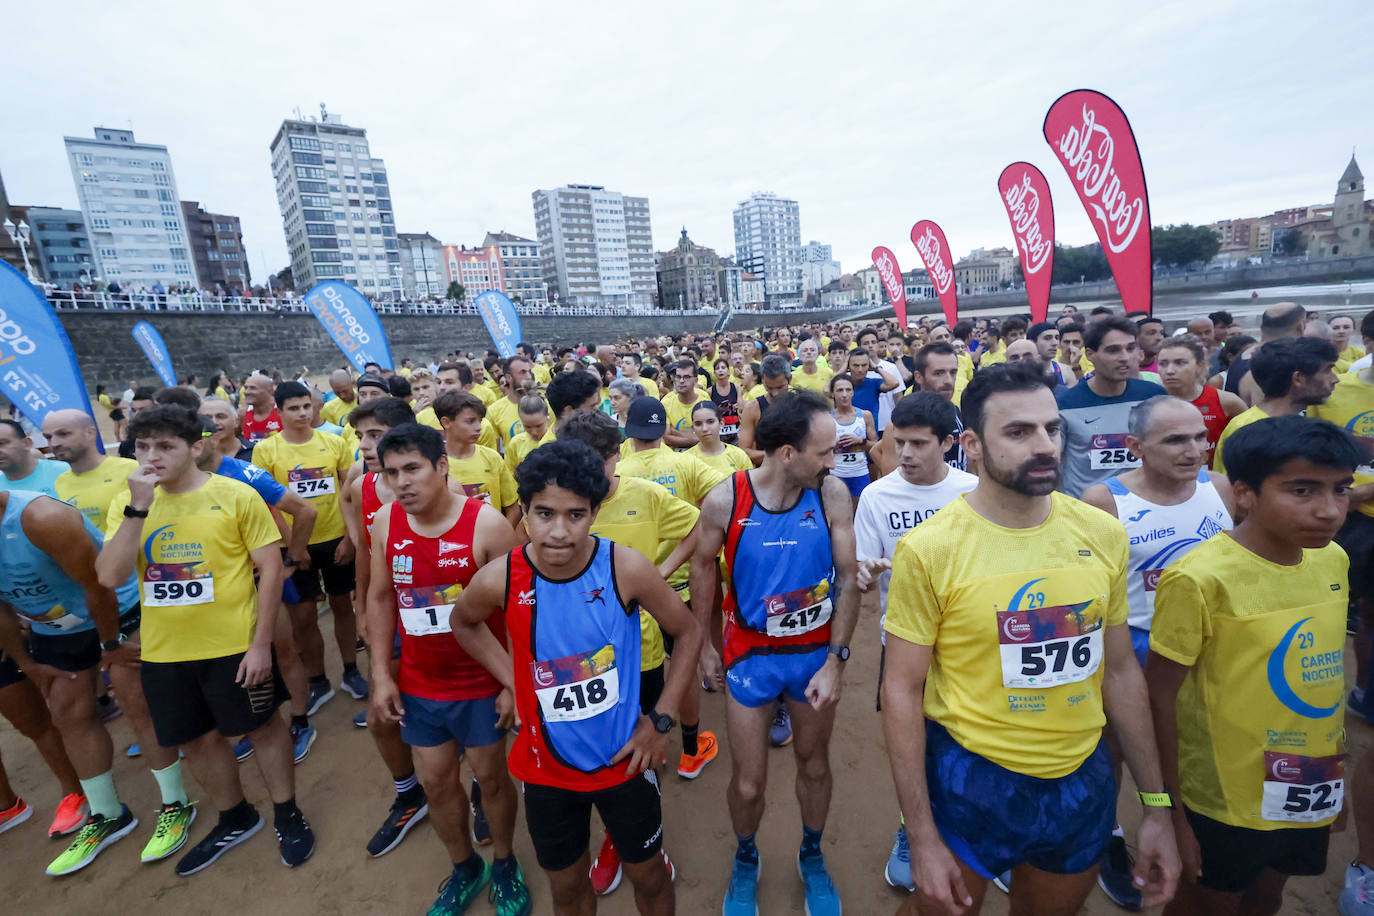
<point x="119" y="556"/>
<point x="381" y="600"/>
<point x="485" y="595"/>
<point x="351" y="504"/>
<point x="1223" y="486"/>
<point x="675" y="438"/>
<point x="870" y="432"/>
<point x="57" y="529"/>
<point x="681" y="553"/>
<point x="748" y="419"/>
<point x="303" y="517"/>
<point x="493" y="536"/>
<point x="825" y="685"/>
<point x="715" y="514"/>
<point x="1099" y="496"/>
<point x="256" y="666"/>
<point x="1164" y="678"/>
<point x="890" y="380"/>
<point x="1231" y="404"/>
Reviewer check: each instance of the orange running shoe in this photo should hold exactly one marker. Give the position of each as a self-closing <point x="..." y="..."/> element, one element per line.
<point x="71" y="815"/>
<point x="690" y="767"/>
<point x="605" y="871"/>
<point x="15" y="814"/>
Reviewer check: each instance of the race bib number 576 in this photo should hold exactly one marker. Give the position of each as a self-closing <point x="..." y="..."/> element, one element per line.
<point x="1048" y="646"/>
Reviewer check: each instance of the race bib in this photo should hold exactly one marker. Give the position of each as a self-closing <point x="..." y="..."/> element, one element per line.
<point x="61" y="619"/>
<point x="577" y="687"/>
<point x="1301" y="790"/>
<point x="849" y="458"/>
<point x="176" y="585"/>
<point x="1048" y="646"/>
<point x="799" y="611"/>
<point x="1108" y="452"/>
<point x="310" y="482"/>
<point x="425" y="611"/>
<point x="729" y="425"/>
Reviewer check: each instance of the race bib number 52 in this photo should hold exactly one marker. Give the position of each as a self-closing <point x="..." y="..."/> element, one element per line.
<point x="577" y="687"/>
<point x="1048" y="646"/>
<point x="1300" y="789"/>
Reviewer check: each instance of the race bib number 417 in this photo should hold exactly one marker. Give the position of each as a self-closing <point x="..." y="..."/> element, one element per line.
<point x="1048" y="646"/>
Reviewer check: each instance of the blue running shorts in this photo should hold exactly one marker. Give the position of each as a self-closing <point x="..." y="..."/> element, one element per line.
<point x="758" y="679"/>
<point x="430" y="723"/>
<point x="1140" y="642"/>
<point x="994" y="819"/>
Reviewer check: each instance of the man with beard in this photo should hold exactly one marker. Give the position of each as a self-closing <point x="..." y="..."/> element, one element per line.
<point x="1001" y="767"/>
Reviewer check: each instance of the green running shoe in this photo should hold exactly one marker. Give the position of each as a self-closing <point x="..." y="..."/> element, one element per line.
<point x="91" y="839"/>
<point x="170" y="833"/>
<point x="454" y="898"/>
<point x="509" y="894"/>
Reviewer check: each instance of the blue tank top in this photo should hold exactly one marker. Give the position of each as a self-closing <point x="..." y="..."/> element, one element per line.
<point x="580" y="644"/>
<point x="36" y="586"/>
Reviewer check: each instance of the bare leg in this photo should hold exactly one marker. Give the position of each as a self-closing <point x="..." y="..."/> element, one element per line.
<point x="292" y="669"/>
<point x="128" y="687"/>
<point x="212" y="763"/>
<point x="23" y="705"/>
<point x="7" y="797"/>
<point x="448" y="803"/>
<point x="918" y="904"/>
<point x="1040" y="893"/>
<point x="571" y="889"/>
<point x="653" y="887"/>
<point x="811" y="746"/>
<point x="73" y="711"/>
<point x="345" y="628"/>
<point x="498" y="794"/>
<point x="748" y="731"/>
<point x="276" y="757"/>
<point x="305" y="627"/>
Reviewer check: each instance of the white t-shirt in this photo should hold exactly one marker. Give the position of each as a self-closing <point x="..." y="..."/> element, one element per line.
<point x="1363" y="362"/>
<point x="890" y="507"/>
<point x="887" y="399"/>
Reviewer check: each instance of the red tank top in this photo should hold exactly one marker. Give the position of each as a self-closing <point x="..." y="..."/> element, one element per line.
<point x="255" y="430"/>
<point x="428" y="575"/>
<point x="1209" y="402"/>
<point x="371" y="502"/>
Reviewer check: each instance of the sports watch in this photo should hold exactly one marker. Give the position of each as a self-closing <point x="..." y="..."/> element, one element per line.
<point x="663" y="723"/>
<point x="109" y="645"/>
<point x="840" y="652"/>
<point x="1156" y="799"/>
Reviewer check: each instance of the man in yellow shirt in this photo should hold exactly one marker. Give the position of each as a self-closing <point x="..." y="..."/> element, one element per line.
<point x="630" y="367"/>
<point x="1293" y="374"/>
<point x="313" y="465"/>
<point x="536" y="430"/>
<point x="345" y="397"/>
<point x="1246" y="672"/>
<point x="93" y="479"/>
<point x="504" y="412"/>
<point x="207" y="556"/>
<point x="479" y="469"/>
<point x="679" y="404"/>
<point x="1007" y="647"/>
<point x="810" y="374"/>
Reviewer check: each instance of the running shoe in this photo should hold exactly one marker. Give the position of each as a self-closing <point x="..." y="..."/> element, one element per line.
<point x="481" y="830"/>
<point x="170" y="833"/>
<point x="454" y="898"/>
<point x="1115" y="877"/>
<point x="1362" y="706"/>
<point x="1357" y="899"/>
<point x="1003" y="881"/>
<point x="360" y="720"/>
<point x="354" y="684"/>
<point x="302" y="739"/>
<point x="668" y="863"/>
<point x="360" y="646"/>
<point x="72" y="812"/>
<point x="15" y="814"/>
<point x="296" y="839"/>
<point x="509" y="894"/>
<point x="605" y="871"/>
<point x="320" y="693"/>
<point x="741" y="897"/>
<point x="220" y="840"/>
<point x="404" y="814"/>
<point x="690" y="766"/>
<point x="98" y="833"/>
<point x="106" y="709"/>
<point x="134" y="750"/>
<point x="821" y="897"/>
<point x="898" y="871"/>
<point x="780" y="733"/>
<point x="243" y="749"/>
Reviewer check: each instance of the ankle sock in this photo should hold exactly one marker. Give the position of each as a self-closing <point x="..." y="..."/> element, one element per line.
<point x="350" y="668"/>
<point x="811" y="842"/>
<point x="239" y="817"/>
<point x="300" y="723"/>
<point x="318" y="679"/>
<point x="282" y="811"/>
<point x="468" y="869"/>
<point x="746" y="851"/>
<point x="503" y="867"/>
<point x="406" y="784"/>
<point x="101" y="795"/>
<point x="689" y="739"/>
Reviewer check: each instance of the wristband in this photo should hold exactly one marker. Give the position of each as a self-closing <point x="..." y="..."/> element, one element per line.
<point x="1156" y="799"/>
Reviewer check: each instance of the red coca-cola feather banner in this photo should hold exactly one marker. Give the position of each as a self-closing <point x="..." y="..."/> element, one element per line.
<point x="1093" y="140"/>
<point x="891" y="275"/>
<point x="930" y="243"/>
<point x="1026" y="195"/>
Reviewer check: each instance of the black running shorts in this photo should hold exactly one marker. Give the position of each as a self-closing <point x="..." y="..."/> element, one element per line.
<point x="78" y="651"/>
<point x="559" y="821"/>
<point x="188" y="699"/>
<point x="338" y="577"/>
<point x="1234" y="857"/>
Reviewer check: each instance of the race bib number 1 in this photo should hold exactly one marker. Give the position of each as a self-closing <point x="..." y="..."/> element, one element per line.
<point x="310" y="482"/>
<point x="1048" y="646"/>
<point x="426" y="611"/>
<point x="577" y="687"/>
<point x="175" y="585"/>
<point x="799" y="611"/>
<point x="1302" y="790"/>
<point x="1108" y="452"/>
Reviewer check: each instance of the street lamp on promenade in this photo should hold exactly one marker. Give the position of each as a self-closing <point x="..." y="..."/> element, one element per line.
<point x="20" y="236"/>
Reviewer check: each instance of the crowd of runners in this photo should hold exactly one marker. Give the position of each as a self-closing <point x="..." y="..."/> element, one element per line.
<point x="1096" y="545"/>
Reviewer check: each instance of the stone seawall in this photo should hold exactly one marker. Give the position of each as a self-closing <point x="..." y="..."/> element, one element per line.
<point x="204" y="343"/>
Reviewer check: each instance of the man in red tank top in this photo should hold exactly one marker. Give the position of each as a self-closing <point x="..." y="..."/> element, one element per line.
<point x="425" y="548"/>
<point x="260" y="417"/>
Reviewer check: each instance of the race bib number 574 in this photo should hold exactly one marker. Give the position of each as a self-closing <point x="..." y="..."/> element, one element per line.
<point x="1048" y="646"/>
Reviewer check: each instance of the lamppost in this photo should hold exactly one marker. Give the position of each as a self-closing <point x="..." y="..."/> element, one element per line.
<point x="20" y="236"/>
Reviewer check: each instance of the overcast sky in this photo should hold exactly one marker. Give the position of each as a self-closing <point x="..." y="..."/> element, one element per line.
<point x="871" y="115"/>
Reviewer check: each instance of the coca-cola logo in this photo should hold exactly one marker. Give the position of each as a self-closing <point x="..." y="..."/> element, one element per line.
<point x="1087" y="151"/>
<point x="940" y="274"/>
<point x="888" y="273"/>
<point x="1023" y="206"/>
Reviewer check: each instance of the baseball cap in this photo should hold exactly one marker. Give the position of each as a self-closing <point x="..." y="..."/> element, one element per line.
<point x="374" y="381"/>
<point x="645" y="419"/>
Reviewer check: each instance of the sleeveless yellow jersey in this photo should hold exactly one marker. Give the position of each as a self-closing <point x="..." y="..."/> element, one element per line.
<point x="194" y="569"/>
<point x="313" y="470"/>
<point x="1016" y="618"/>
<point x="484" y="476"/>
<point x="1350" y="406"/>
<point x="727" y="462"/>
<point x="93" y="491"/>
<point x="1261" y="733"/>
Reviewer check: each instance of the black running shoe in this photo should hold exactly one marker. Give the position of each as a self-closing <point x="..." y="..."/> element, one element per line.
<point x="481" y="831"/>
<point x="1116" y="876"/>
<point x="220" y="840"/>
<point x="405" y="813"/>
<point x="296" y="838"/>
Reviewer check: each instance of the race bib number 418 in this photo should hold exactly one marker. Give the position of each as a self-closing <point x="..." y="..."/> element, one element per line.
<point x="577" y="687"/>
<point x="1048" y="646"/>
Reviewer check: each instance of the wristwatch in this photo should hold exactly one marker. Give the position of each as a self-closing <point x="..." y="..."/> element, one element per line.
<point x="109" y="645"/>
<point x="1156" y="799"/>
<point x="662" y="723"/>
<point x="840" y="652"/>
<point x="131" y="512"/>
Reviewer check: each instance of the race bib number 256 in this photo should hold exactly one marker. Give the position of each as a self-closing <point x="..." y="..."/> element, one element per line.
<point x="1108" y="452"/>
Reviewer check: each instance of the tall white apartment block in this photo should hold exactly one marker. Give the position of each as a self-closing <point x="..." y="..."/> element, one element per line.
<point x="595" y="246"/>
<point x="129" y="202"/>
<point x="335" y="201"/>
<point x="768" y="243"/>
<point x="820" y="268"/>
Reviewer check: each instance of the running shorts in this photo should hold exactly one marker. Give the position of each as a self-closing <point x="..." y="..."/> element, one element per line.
<point x="650" y="688"/>
<point x="759" y="679"/>
<point x="338" y="577"/>
<point x="78" y="651"/>
<point x="9" y="671"/>
<point x="430" y="723"/>
<point x="856" y="484"/>
<point x="186" y="700"/>
<point x="1234" y="857"/>
<point x="559" y="821"/>
<point x="1356" y="538"/>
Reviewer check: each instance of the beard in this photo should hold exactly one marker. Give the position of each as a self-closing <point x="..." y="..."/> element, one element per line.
<point x="1018" y="479"/>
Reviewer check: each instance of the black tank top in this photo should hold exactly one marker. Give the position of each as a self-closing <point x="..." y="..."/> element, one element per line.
<point x="728" y="405"/>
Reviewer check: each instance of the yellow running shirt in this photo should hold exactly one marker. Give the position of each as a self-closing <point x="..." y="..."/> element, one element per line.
<point x="816" y="383"/>
<point x="93" y="491"/>
<point x="687" y="478"/>
<point x="643" y="515"/>
<point x="1261" y="714"/>
<point x="1350" y="406"/>
<point x="194" y="570"/>
<point x="727" y="462"/>
<point x="1016" y="617"/>
<point x="522" y="445"/>
<point x="680" y="414"/>
<point x="484" y="476"/>
<point x="1244" y="418"/>
<point x="337" y="410"/>
<point x="487" y="437"/>
<point x="313" y="470"/>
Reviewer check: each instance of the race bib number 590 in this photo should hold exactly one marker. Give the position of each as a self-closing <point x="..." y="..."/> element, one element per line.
<point x="174" y="585"/>
<point x="577" y="687"/>
<point x="1048" y="646"/>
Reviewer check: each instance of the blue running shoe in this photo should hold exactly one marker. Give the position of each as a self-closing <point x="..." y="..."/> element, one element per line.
<point x="360" y="720"/>
<point x="302" y="739"/>
<point x="780" y="732"/>
<point x="1003" y="882"/>
<point x="1116" y="877"/>
<point x="243" y="749"/>
<point x="898" y="871"/>
<point x="455" y="897"/>
<point x="134" y="750"/>
<point x="320" y="693"/>
<point x="821" y="897"/>
<point x="354" y="684"/>
<point x="741" y="897"/>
